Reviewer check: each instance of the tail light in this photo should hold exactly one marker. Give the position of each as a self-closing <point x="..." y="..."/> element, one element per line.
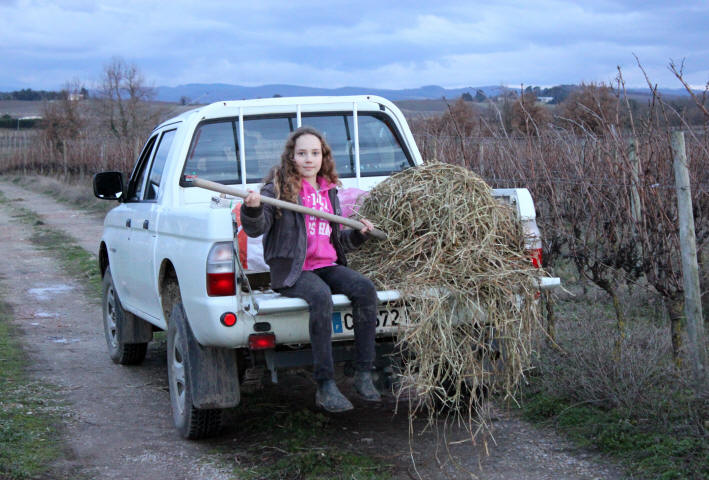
<point x="220" y="270"/>
<point x="536" y="254"/>
<point x="533" y="241"/>
<point x="262" y="341"/>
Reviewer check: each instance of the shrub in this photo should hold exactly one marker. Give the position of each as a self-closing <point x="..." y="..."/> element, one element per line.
<point x="591" y="108"/>
<point x="529" y="116"/>
<point x="586" y="370"/>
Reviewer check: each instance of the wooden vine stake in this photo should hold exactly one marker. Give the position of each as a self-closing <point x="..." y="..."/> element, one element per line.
<point x="690" y="268"/>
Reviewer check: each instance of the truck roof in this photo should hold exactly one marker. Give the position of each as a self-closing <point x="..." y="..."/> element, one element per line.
<point x="227" y="108"/>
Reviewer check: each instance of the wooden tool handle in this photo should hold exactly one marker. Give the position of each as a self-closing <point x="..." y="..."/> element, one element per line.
<point x="238" y="192"/>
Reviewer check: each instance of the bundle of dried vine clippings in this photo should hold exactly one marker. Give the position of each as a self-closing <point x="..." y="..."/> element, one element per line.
<point x="458" y="256"/>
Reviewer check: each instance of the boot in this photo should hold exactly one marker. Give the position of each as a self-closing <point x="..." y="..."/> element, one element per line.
<point x="365" y="387"/>
<point x="329" y="397"/>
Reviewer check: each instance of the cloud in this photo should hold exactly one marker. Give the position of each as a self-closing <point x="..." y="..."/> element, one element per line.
<point x="365" y="43"/>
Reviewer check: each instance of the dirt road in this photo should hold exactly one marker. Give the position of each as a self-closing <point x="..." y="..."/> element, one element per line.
<point x="119" y="423"/>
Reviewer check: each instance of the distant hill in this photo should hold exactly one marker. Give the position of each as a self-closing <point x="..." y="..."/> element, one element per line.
<point x="665" y="92"/>
<point x="423" y="99"/>
<point x="201" y="93"/>
<point x="212" y="92"/>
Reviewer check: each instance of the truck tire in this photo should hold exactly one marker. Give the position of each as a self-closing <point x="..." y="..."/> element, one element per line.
<point x="492" y="363"/>
<point x="467" y="394"/>
<point x="191" y="422"/>
<point x="115" y="324"/>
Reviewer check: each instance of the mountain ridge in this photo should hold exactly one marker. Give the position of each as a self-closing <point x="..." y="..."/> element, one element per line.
<point x="213" y="92"/>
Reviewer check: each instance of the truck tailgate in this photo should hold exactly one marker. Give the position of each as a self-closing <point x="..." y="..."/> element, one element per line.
<point x="272" y="303"/>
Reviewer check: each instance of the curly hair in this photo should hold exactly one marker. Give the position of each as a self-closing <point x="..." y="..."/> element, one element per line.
<point x="285" y="177"/>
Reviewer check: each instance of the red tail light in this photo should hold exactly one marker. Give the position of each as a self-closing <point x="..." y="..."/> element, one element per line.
<point x="262" y="341"/>
<point x="220" y="284"/>
<point x="228" y="319"/>
<point x="220" y="270"/>
<point x="536" y="254"/>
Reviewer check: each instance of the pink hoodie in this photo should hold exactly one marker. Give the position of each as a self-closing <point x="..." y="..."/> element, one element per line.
<point x="320" y="252"/>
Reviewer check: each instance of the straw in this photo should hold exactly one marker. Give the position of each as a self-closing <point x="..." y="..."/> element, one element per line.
<point x="458" y="257"/>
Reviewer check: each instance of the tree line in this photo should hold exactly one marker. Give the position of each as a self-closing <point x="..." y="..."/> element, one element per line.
<point x="27" y="94"/>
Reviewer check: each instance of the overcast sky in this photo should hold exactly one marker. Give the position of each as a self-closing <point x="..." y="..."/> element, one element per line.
<point x="371" y="43"/>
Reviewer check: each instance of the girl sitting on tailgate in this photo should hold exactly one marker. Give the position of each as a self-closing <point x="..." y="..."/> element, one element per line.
<point x="306" y="256"/>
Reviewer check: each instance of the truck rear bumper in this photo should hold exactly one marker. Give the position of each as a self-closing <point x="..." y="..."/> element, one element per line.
<point x="549" y="283"/>
<point x="273" y="303"/>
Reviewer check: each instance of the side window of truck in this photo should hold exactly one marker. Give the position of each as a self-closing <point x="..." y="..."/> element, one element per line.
<point x="214" y="153"/>
<point x="380" y="150"/>
<point x="158" y="165"/>
<point x="137" y="178"/>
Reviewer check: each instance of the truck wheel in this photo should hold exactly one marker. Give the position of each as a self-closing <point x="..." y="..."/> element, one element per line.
<point x="191" y="422"/>
<point x="114" y="324"/>
<point x="467" y="394"/>
<point x="492" y="362"/>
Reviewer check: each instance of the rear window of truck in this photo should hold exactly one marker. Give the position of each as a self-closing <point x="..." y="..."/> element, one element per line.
<point x="214" y="152"/>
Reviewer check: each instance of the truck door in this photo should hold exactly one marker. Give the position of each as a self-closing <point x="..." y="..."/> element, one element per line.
<point x="144" y="233"/>
<point x="120" y="233"/>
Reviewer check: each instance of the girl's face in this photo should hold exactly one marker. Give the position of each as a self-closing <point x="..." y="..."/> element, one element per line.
<point x="307" y="156"/>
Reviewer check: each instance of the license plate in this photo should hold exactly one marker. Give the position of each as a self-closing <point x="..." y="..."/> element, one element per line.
<point x="386" y="318"/>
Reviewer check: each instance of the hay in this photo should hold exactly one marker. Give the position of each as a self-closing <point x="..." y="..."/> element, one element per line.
<point x="458" y="256"/>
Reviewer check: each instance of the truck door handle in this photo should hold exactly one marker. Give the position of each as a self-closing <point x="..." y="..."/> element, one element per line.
<point x="128" y="223"/>
<point x="145" y="224"/>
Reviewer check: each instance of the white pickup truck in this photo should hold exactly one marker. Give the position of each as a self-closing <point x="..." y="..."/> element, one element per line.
<point x="171" y="260"/>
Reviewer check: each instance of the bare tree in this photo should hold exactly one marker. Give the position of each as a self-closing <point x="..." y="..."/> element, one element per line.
<point x="124" y="102"/>
<point x="64" y="119"/>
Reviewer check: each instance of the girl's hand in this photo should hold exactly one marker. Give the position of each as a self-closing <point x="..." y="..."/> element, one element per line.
<point x="368" y="227"/>
<point x="253" y="199"/>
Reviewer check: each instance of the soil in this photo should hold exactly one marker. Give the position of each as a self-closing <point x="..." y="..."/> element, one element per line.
<point x="119" y="424"/>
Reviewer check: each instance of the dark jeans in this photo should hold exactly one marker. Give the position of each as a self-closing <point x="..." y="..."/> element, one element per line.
<point x="315" y="287"/>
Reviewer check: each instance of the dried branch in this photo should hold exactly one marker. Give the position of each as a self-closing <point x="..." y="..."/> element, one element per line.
<point x="679" y="74"/>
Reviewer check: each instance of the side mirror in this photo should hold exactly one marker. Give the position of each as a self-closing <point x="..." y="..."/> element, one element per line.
<point x="109" y="185"/>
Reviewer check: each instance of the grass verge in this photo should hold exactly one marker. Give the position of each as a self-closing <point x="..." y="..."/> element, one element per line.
<point x="647" y="452"/>
<point x="622" y="395"/>
<point x="29" y="412"/>
<point x="75" y="191"/>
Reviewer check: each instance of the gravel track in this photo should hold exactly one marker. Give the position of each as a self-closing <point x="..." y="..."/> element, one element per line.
<point x="119" y="422"/>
